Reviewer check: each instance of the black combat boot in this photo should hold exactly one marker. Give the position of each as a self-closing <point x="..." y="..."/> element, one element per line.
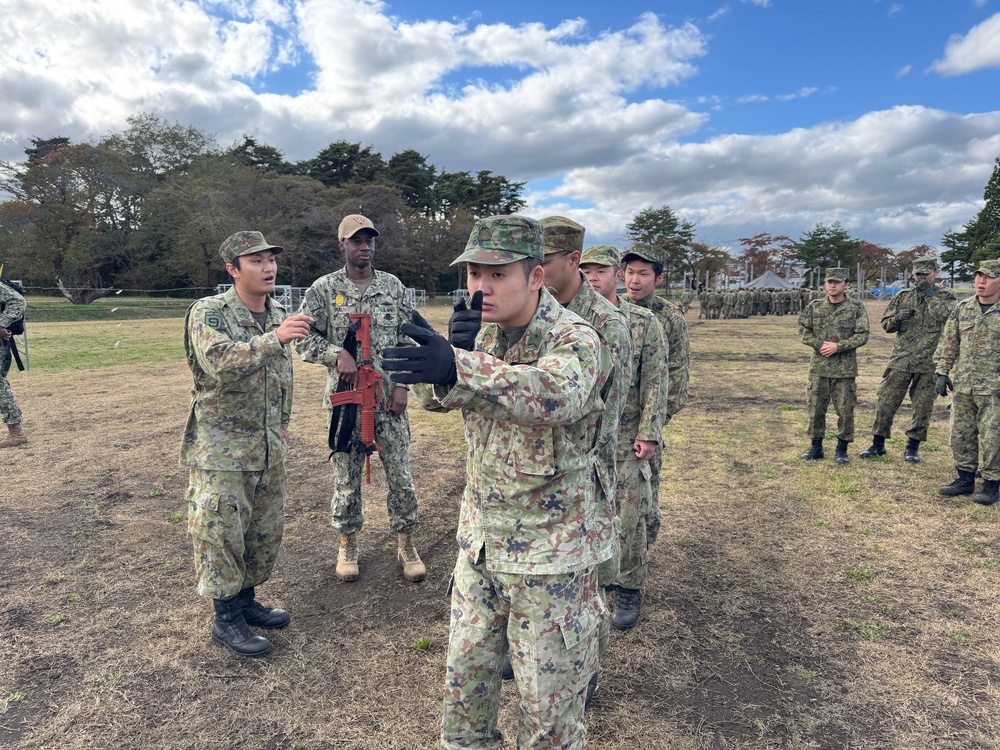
<point x="964" y="485"/>
<point x="259" y="616"/>
<point x="877" y="448"/>
<point x="841" y="455"/>
<point x="988" y="494"/>
<point x="626" y="611"/>
<point x="230" y="629"/>
<point x="815" y="452"/>
<point x="910" y="451"/>
<point x="506" y="668"/>
<point x="592" y="687"/>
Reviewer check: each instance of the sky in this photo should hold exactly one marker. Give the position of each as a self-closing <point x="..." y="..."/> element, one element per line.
<point x="743" y="116"/>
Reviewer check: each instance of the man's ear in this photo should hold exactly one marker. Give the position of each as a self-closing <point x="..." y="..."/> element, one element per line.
<point x="536" y="278"/>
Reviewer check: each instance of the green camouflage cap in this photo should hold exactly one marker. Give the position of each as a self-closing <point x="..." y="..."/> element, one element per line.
<point x="646" y="252"/>
<point x="245" y="243"/>
<point x="926" y="264"/>
<point x="497" y="240"/>
<point x="562" y="235"/>
<point x="602" y="255"/>
<point x="837" y="274"/>
<point x="989" y="267"/>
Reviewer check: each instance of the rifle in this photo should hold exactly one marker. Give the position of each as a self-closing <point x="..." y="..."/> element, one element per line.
<point x="366" y="393"/>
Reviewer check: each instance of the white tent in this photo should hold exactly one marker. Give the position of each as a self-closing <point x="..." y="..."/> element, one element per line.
<point x="769" y="280"/>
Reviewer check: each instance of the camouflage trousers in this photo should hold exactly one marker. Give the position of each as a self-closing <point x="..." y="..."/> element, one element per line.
<point x="843" y="393"/>
<point x="633" y="500"/>
<point x="392" y="435"/>
<point x="9" y="410"/>
<point x="975" y="433"/>
<point x="891" y="392"/>
<point x="653" y="516"/>
<point x="236" y="520"/>
<point x="549" y="623"/>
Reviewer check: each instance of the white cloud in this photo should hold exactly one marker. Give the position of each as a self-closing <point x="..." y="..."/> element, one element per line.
<point x="904" y="71"/>
<point x="980" y="48"/>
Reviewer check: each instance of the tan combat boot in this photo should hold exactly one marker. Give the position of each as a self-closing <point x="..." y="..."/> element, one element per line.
<point x="347" y="558"/>
<point x="406" y="553"/>
<point x="15" y="438"/>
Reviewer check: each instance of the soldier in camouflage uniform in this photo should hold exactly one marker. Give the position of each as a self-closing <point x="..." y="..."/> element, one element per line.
<point x="970" y="347"/>
<point x="639" y="433"/>
<point x="526" y="575"/>
<point x="687" y="297"/>
<point x="359" y="288"/>
<point x="833" y="328"/>
<point x="235" y="440"/>
<point x="12" y="306"/>
<point x="917" y="317"/>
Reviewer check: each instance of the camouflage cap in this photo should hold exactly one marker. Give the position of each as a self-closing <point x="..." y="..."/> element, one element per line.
<point x="562" y="235"/>
<point x="990" y="268"/>
<point x="837" y="274"/>
<point x="245" y="243"/>
<point x="926" y="264"/>
<point x="352" y="224"/>
<point x="602" y="255"/>
<point x="503" y="239"/>
<point x="646" y="252"/>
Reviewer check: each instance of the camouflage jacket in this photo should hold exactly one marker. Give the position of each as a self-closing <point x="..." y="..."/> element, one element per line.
<point x="917" y="338"/>
<point x="642" y="417"/>
<point x="675" y="330"/>
<point x="531" y="423"/>
<point x="242" y="395"/>
<point x="971" y="345"/>
<point x="330" y="300"/>
<point x="845" y="324"/>
<point x="13" y="305"/>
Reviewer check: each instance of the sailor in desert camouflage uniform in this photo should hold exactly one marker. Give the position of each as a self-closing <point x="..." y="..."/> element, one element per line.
<point x="917" y="317"/>
<point x="526" y="575"/>
<point x="235" y="440"/>
<point x="359" y="288"/>
<point x="639" y="432"/>
<point x="834" y="328"/>
<point x="970" y="349"/>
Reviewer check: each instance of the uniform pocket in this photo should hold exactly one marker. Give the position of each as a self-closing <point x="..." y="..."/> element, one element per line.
<point x="532" y="452"/>
<point x="579" y="626"/>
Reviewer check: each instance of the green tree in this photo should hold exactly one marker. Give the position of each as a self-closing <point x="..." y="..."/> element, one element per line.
<point x="661" y="228"/>
<point x="957" y="259"/>
<point x="983" y="232"/>
<point x="414" y="178"/>
<point x="827" y="247"/>
<point x="342" y="163"/>
<point x="250" y="153"/>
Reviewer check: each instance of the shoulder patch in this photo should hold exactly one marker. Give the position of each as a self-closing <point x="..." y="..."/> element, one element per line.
<point x="214" y="320"/>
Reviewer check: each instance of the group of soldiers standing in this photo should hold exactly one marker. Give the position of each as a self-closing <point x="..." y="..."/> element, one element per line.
<point x="744" y="302"/>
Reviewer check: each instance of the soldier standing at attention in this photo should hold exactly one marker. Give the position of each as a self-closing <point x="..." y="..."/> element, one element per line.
<point x="640" y="431"/>
<point x="235" y="440"/>
<point x="687" y="297"/>
<point x="359" y="288"/>
<point x="833" y="328"/>
<point x="12" y="306"/>
<point x="917" y="318"/>
<point x="526" y="575"/>
<point x="970" y="346"/>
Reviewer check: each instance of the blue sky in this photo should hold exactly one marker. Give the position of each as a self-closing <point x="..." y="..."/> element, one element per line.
<point x="743" y="116"/>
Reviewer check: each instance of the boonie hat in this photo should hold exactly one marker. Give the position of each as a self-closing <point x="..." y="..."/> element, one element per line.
<point x="837" y="274"/>
<point x="562" y="235"/>
<point x="353" y="223"/>
<point x="602" y="255"/>
<point x="990" y="268"/>
<point x="496" y="240"/>
<point x="245" y="243"/>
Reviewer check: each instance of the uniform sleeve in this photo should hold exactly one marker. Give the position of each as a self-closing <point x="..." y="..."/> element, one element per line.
<point x="809" y="338"/>
<point x="555" y="390"/>
<point x="317" y="347"/>
<point x="652" y="396"/>
<point x="14" y="306"/>
<point x="889" y="323"/>
<point x="861" y="330"/>
<point x="940" y="305"/>
<point x="679" y="365"/>
<point x="948" y="346"/>
<point x="218" y="354"/>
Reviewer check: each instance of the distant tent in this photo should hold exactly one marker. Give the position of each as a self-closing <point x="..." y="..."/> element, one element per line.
<point x="769" y="280"/>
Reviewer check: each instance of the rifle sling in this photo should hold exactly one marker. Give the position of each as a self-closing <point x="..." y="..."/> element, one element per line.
<point x="346" y="415"/>
<point x="13" y="350"/>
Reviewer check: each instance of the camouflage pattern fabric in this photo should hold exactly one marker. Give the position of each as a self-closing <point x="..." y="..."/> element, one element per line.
<point x="918" y="337"/>
<point x="236" y="520"/>
<point x="635" y="495"/>
<point x="846" y="324"/>
<point x="891" y="392"/>
<point x="975" y="433"/>
<point x="970" y="348"/>
<point x="687" y="297"/>
<point x="843" y="393"/>
<point x="548" y="623"/>
<point x="13" y="308"/>
<point x="674" y="326"/>
<point x="242" y="397"/>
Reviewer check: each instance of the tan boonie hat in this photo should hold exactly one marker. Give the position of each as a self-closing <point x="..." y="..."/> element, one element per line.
<point x="990" y="268"/>
<point x="352" y="224"/>
<point x="245" y="243"/>
<point x="503" y="239"/>
<point x="837" y="274"/>
<point x="926" y="264"/>
<point x="602" y="255"/>
<point x="562" y="235"/>
<point x="646" y="252"/>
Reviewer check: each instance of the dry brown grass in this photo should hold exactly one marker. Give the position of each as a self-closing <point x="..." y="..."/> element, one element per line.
<point x="792" y="604"/>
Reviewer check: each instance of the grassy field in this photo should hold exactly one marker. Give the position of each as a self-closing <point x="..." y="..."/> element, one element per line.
<point x="791" y="604"/>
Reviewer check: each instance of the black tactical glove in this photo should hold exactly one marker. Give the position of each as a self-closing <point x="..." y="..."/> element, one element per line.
<point x="904" y="315"/>
<point x="465" y="324"/>
<point x="943" y="385"/>
<point x="433" y="361"/>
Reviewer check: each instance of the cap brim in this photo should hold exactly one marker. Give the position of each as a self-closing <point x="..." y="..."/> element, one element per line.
<point x="488" y="257"/>
<point x="370" y="229"/>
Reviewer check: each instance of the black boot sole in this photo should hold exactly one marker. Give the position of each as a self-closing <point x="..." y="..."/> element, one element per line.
<point x="219" y="642"/>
